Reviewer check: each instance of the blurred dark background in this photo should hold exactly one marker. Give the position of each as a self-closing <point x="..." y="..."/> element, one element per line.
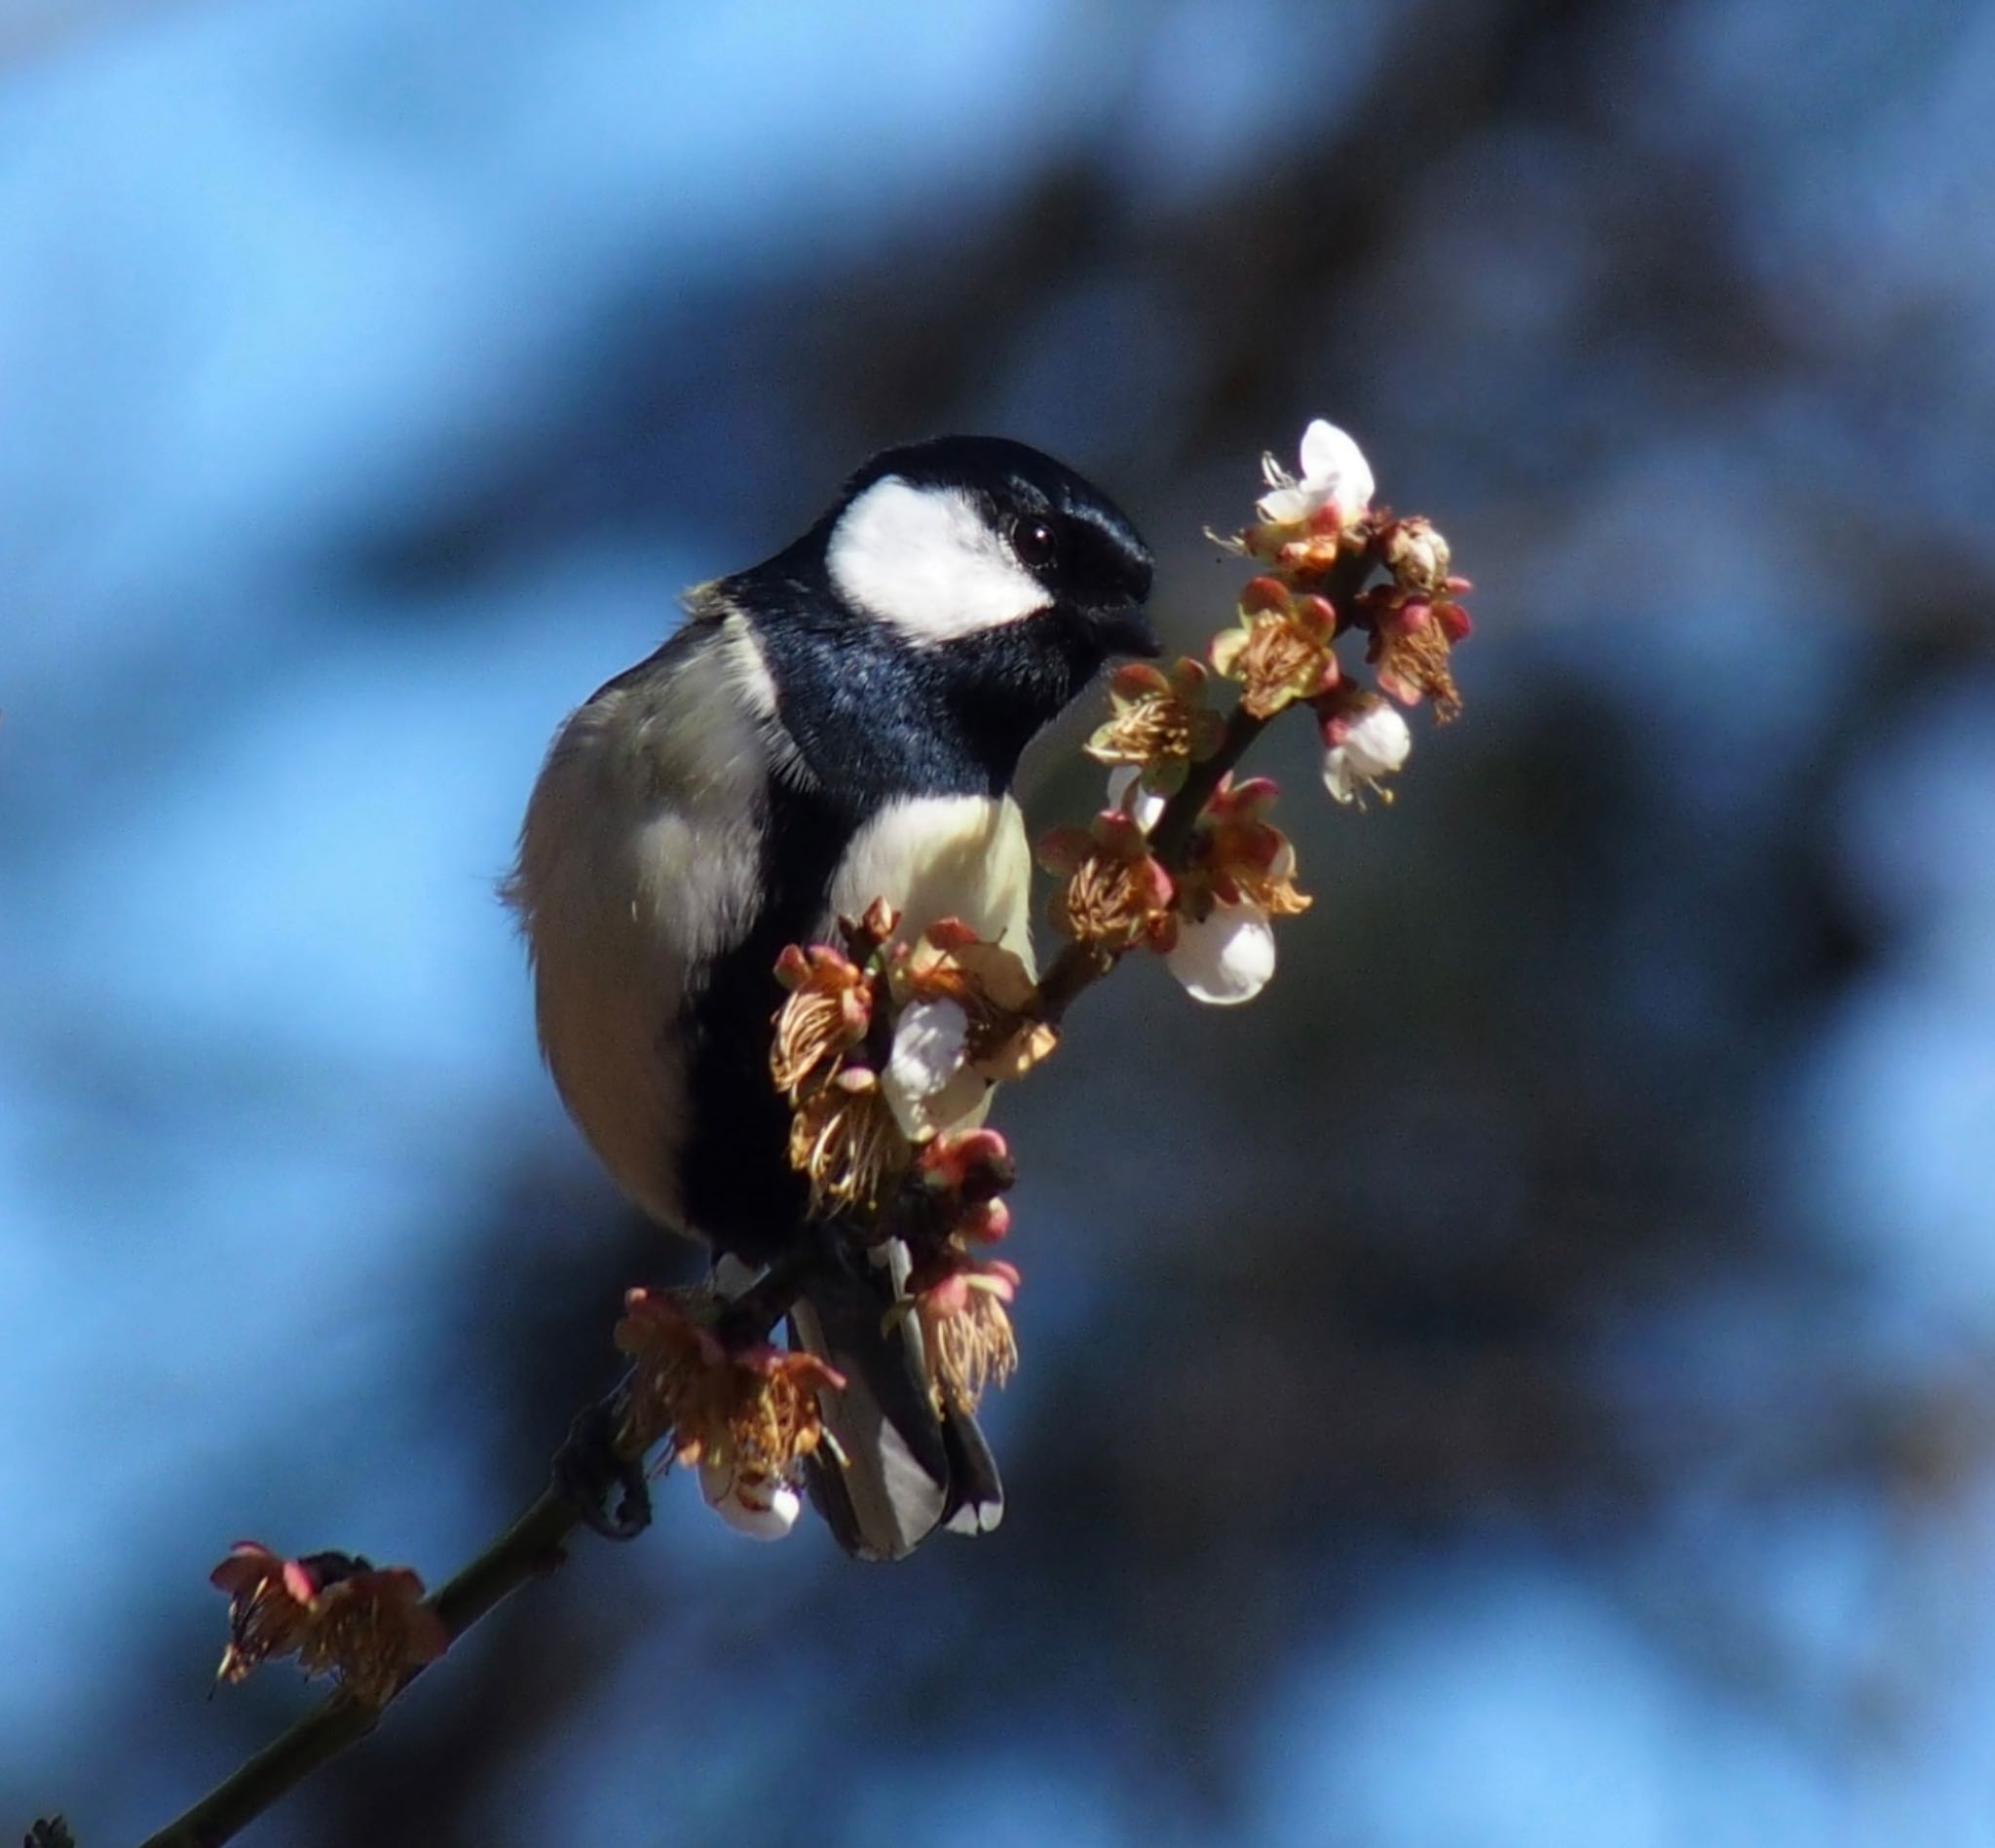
<point x="1526" y="1381"/>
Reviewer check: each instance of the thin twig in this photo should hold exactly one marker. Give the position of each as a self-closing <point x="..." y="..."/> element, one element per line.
<point x="529" y="1549"/>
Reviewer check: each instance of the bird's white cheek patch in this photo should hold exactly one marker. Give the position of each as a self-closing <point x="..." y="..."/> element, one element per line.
<point x="923" y="561"/>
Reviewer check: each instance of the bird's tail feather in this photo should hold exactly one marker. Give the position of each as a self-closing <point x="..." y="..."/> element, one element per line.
<point x="905" y="1470"/>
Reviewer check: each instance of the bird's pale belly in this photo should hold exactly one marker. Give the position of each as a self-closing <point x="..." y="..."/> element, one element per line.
<point x="942" y="856"/>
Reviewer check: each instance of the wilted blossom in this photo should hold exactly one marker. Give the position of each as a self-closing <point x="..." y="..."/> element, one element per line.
<point x="961" y="1303"/>
<point x="1417" y="557"/>
<point x="1365" y="741"/>
<point x="845" y="1136"/>
<point x="270" y="1604"/>
<point x="827" y="1012"/>
<point x="845" y="1140"/>
<point x="1116" y="895"/>
<point x="334" y="1613"/>
<point x="1162" y="723"/>
<point x="747" y="1416"/>
<point x="959" y="1300"/>
<point x="1281" y="650"/>
<point x="1238" y="856"/>
<point x="1412" y="640"/>
<point x="373" y="1631"/>
<point x="1415" y="620"/>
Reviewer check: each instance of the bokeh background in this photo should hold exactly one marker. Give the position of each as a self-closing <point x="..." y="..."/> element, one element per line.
<point x="1529" y="1381"/>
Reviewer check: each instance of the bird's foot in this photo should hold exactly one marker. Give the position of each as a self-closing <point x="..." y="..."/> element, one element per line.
<point x="609" y="1490"/>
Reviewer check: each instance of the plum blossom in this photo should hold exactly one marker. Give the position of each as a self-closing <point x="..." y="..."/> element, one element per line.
<point x="1116" y="896"/>
<point x="845" y="1140"/>
<point x="746" y="1415"/>
<point x="336" y="1613"/>
<point x="962" y="1305"/>
<point x="827" y="1011"/>
<point x="1239" y="876"/>
<point x="1281" y="650"/>
<point x="1226" y="956"/>
<point x="1335" y="475"/>
<point x="1365" y="741"/>
<point x="1417" y="620"/>
<point x="929" y="1084"/>
<point x="763" y="1510"/>
<point x="1161" y="722"/>
<point x="1413" y="637"/>
<point x="969" y="1018"/>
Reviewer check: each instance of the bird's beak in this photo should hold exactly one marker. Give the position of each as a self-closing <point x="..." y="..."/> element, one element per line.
<point x="1124" y="629"/>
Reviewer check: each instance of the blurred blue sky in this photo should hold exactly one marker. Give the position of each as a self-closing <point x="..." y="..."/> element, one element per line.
<point x="273" y="281"/>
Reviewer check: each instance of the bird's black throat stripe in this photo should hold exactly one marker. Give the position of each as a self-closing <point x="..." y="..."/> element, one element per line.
<point x="736" y="1179"/>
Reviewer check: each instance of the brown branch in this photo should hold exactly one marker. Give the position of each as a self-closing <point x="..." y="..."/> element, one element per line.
<point x="533" y="1545"/>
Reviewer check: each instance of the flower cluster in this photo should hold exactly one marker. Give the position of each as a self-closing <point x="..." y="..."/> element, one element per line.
<point x="746" y="1415"/>
<point x="885" y="1049"/>
<point x="334" y="1613"/>
<point x="883" y="1044"/>
<point x="1204" y="890"/>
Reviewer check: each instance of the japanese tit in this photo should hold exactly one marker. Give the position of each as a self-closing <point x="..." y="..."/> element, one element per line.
<point x="839" y="723"/>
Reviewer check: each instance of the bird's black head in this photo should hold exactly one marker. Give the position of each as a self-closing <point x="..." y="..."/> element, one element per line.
<point x="961" y="536"/>
<point x="958" y="594"/>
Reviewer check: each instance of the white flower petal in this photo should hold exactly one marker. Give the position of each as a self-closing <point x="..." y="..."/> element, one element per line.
<point x="927" y="1053"/>
<point x="1149" y="805"/>
<point x="1227" y="959"/>
<point x="1285" y="506"/>
<point x="1374" y="745"/>
<point x="1333" y="462"/>
<point x="1338" y="777"/>
<point x="764" y="1511"/>
<point x="1381" y="741"/>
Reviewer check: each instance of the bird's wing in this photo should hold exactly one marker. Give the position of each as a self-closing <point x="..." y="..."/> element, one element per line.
<point x="639" y="862"/>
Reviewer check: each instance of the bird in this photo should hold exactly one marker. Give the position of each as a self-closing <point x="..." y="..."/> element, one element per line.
<point x="839" y="723"/>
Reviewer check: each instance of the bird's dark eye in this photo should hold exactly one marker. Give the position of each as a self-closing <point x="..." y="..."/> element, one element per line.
<point x="1032" y="540"/>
